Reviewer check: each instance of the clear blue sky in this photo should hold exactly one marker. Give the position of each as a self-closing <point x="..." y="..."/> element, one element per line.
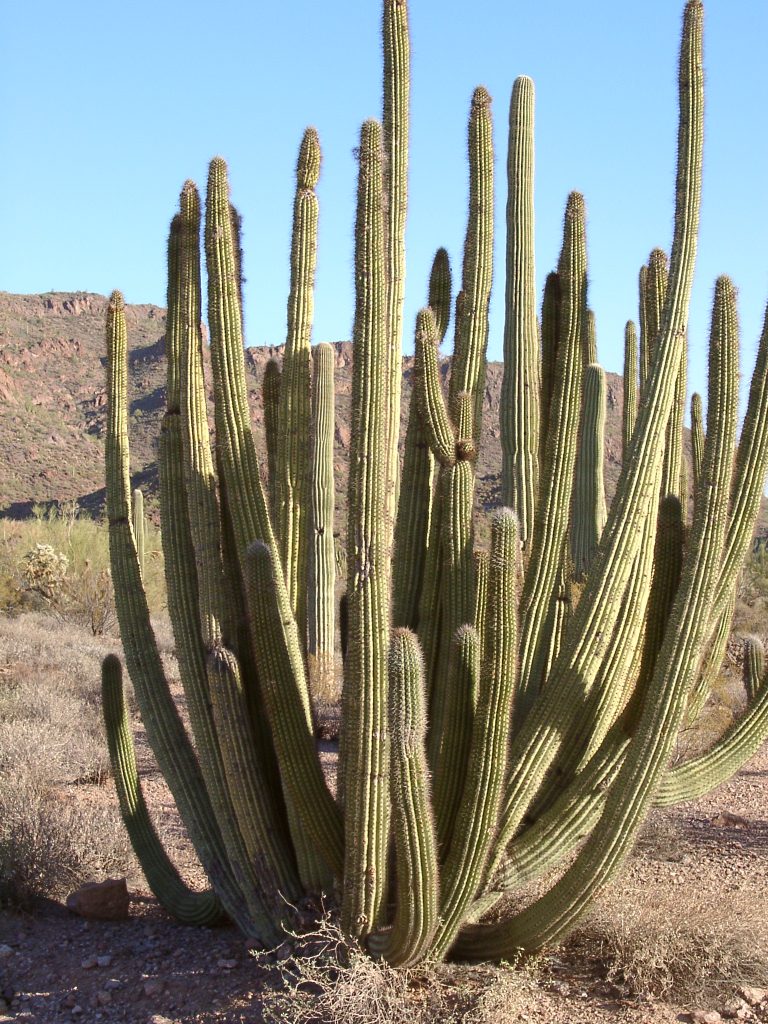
<point x="107" y="108"/>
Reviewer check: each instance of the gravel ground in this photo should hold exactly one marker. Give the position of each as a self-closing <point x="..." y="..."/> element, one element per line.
<point x="55" y="967"/>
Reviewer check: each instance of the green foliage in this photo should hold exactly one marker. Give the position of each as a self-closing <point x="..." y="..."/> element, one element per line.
<point x="59" y="561"/>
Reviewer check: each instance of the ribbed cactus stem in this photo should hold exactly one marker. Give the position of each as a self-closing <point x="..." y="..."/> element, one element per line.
<point x="165" y="731"/>
<point x="474" y="833"/>
<point x="700" y="775"/>
<point x="550" y="536"/>
<point x="522" y="372"/>
<point x="576" y="667"/>
<point x="139" y="533"/>
<point x="550" y="337"/>
<point x="629" y="406"/>
<point x="468" y="369"/>
<point x="395" y="128"/>
<point x="754" y="666"/>
<point x="365" y="749"/>
<point x="187" y="906"/>
<point x="697" y="439"/>
<point x="409" y="937"/>
<point x="439" y="430"/>
<point x="270" y="398"/>
<point x="439" y="295"/>
<point x="589" y="510"/>
<point x="322" y="559"/>
<point x="590" y="339"/>
<point x="292" y="497"/>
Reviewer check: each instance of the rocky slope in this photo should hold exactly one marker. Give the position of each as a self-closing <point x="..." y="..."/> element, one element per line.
<point x="53" y="402"/>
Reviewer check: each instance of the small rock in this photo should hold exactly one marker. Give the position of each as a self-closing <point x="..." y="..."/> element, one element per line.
<point x="5" y="952"/>
<point x="103" y="997"/>
<point x="103" y="961"/>
<point x="727" y="820"/>
<point x="158" y="1018"/>
<point x="113" y="985"/>
<point x="154" y="986"/>
<point x="69" y="1001"/>
<point x="731" y="1010"/>
<point x="705" y="1017"/>
<point x="89" y="963"/>
<point x="754" y="996"/>
<point x="227" y="965"/>
<point x="77" y="1010"/>
<point x="103" y="901"/>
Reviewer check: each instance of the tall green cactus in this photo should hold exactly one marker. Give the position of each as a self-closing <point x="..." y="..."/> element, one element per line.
<point x="497" y="708"/>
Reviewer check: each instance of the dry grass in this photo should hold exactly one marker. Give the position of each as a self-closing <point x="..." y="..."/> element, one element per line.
<point x="686" y="948"/>
<point x="326" y="980"/>
<point x="57" y="828"/>
<point x="50" y="845"/>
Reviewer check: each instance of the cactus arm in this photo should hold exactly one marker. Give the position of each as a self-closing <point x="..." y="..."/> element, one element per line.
<point x="748" y="478"/>
<point x="364" y="698"/>
<point x="322" y="554"/>
<point x="550" y="339"/>
<point x="629" y="407"/>
<point x="395" y="127"/>
<point x="697" y="439"/>
<point x="468" y="369"/>
<point x="676" y="667"/>
<point x="548" y="547"/>
<point x="700" y="775"/>
<point x="439" y="292"/>
<point x="181" y="902"/>
<point x="294" y="742"/>
<point x="249" y="812"/>
<point x="439" y="431"/>
<point x="713" y="663"/>
<point x="754" y="667"/>
<point x="482" y="566"/>
<point x="137" y="513"/>
<point x="458" y="703"/>
<point x="574" y="671"/>
<point x="415" y="921"/>
<point x="292" y="496"/>
<point x="521" y="381"/>
<point x="663" y="710"/>
<point x="415" y="508"/>
<point x="475" y="829"/>
<point x="165" y="731"/>
<point x="456" y="489"/>
<point x="270" y="397"/>
<point x="590" y="339"/>
<point x="589" y="511"/>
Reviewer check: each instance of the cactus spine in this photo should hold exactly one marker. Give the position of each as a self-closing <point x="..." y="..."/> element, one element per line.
<point x="554" y="673"/>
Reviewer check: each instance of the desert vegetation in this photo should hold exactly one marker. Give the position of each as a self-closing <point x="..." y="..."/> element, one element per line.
<point x="524" y="696"/>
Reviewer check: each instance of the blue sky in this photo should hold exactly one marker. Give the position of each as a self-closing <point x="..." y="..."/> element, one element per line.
<point x="107" y="108"/>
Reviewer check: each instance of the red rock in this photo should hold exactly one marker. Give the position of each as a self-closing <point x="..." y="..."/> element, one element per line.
<point x="103" y="901"/>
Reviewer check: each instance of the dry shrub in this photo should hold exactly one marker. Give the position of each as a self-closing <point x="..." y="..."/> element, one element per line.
<point x="328" y="980"/>
<point x="49" y="846"/>
<point x="690" y="949"/>
<point x="50" y="715"/>
<point x="53" y="835"/>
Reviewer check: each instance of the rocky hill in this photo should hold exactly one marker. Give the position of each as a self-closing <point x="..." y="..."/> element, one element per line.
<point x="53" y="402"/>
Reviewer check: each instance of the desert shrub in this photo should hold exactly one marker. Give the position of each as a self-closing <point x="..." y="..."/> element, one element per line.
<point x="328" y="980"/>
<point x="49" y="845"/>
<point x="50" y="718"/>
<point x="59" y="560"/>
<point x="693" y="955"/>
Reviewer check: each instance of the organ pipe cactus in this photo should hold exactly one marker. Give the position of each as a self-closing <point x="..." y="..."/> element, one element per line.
<point x="497" y="707"/>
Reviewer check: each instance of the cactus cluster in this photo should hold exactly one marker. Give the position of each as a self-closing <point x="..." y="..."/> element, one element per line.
<point x="498" y="706"/>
